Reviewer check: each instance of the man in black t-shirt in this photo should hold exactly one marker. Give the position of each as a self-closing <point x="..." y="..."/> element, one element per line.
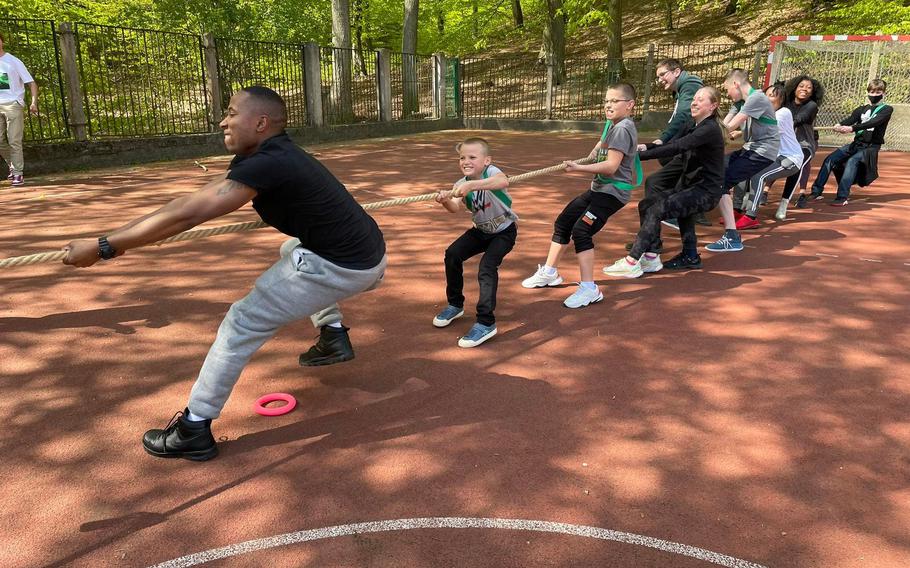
<point x="336" y="251"/>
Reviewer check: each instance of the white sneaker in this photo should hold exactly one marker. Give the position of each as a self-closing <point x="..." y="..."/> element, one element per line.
<point x="622" y="268"/>
<point x="651" y="265"/>
<point x="781" y="214"/>
<point x="583" y="297"/>
<point x="541" y="279"/>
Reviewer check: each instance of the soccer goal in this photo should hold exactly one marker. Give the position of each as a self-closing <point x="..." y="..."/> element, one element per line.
<point x="844" y="64"/>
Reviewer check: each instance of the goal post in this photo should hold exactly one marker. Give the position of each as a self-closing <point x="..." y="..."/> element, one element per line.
<point x="844" y="65"/>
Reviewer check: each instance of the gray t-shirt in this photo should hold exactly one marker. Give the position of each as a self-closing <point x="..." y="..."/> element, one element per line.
<point x="622" y="136"/>
<point x="760" y="131"/>
<point x="491" y="210"/>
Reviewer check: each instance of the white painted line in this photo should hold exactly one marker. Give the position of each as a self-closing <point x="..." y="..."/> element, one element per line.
<point x="870" y="259"/>
<point x="828" y="255"/>
<point x="454" y="523"/>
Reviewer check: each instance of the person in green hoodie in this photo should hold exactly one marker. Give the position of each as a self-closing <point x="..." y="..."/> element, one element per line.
<point x="672" y="77"/>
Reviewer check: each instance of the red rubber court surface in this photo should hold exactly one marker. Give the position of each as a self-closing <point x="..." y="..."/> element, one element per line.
<point x="756" y="410"/>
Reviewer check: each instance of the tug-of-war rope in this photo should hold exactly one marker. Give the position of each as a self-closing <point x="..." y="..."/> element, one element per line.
<point x="194" y="234"/>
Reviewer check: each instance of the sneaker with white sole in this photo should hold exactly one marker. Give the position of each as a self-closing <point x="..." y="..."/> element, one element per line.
<point x="477" y="335"/>
<point x="725" y="244"/>
<point x="17" y="180"/>
<point x="781" y="214"/>
<point x="651" y="264"/>
<point x="672" y="223"/>
<point x="541" y="279"/>
<point x="623" y="269"/>
<point x="447" y="316"/>
<point x="583" y="297"/>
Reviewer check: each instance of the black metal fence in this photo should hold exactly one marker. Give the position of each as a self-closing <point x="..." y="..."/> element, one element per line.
<point x="349" y="86"/>
<point x="412" y="86"/>
<point x="279" y="66"/>
<point x="141" y="82"/>
<point x="138" y="82"/>
<point x="710" y="62"/>
<point x="35" y="43"/>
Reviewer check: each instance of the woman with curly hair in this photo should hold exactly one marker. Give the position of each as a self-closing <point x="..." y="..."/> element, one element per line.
<point x="803" y="95"/>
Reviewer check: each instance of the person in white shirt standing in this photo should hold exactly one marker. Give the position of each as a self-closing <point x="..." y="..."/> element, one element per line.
<point x="14" y="77"/>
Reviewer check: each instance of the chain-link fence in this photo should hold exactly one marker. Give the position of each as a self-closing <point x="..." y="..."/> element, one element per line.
<point x="844" y="69"/>
<point x="141" y="82"/>
<point x="278" y="66"/>
<point x="35" y="43"/>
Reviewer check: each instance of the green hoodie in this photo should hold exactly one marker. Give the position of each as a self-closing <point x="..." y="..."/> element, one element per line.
<point x="683" y="91"/>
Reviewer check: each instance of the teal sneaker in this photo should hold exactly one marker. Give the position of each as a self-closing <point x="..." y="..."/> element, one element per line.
<point x="726" y="244"/>
<point x="477" y="335"/>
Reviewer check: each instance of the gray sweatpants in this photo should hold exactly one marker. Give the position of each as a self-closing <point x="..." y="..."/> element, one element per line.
<point x="301" y="284"/>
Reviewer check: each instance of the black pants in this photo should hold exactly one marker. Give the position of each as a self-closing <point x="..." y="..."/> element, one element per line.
<point x="494" y="248"/>
<point x="583" y="217"/>
<point x="800" y="177"/>
<point x="684" y="205"/>
<point x="661" y="184"/>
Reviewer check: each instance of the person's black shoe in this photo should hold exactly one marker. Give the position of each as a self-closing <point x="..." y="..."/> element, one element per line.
<point x="682" y="261"/>
<point x="700" y="219"/>
<point x="334" y="346"/>
<point x="660" y="248"/>
<point x="182" y="438"/>
<point x="801" y="202"/>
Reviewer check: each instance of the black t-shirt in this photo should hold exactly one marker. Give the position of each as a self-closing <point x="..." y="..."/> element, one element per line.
<point x="297" y="195"/>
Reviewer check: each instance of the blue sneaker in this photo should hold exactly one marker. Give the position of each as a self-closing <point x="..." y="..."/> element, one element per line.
<point x="477" y="335"/>
<point x="447" y="316"/>
<point x="726" y="244"/>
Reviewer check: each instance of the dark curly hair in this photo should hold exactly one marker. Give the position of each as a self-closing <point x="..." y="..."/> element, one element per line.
<point x="818" y="91"/>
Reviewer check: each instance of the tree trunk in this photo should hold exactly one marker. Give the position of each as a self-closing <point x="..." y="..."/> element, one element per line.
<point x="474" y="17"/>
<point x="440" y="22"/>
<point x="614" y="30"/>
<point x="670" y="6"/>
<point x="553" y="50"/>
<point x="342" y="106"/>
<point x="358" y="8"/>
<point x="517" y="14"/>
<point x="732" y="7"/>
<point x="410" y="103"/>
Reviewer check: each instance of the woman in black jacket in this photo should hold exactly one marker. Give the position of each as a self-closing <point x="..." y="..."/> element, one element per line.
<point x="702" y="148"/>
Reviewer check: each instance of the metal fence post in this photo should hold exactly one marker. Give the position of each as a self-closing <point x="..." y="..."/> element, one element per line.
<point x="312" y="84"/>
<point x="74" y="95"/>
<point x="384" y="84"/>
<point x="649" y="73"/>
<point x="439" y="84"/>
<point x="758" y="66"/>
<point x="551" y="85"/>
<point x="212" y="80"/>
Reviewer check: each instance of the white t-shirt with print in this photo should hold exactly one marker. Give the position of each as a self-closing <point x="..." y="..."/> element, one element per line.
<point x="13" y="77"/>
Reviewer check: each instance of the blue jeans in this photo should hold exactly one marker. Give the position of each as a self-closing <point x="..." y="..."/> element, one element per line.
<point x="851" y="154"/>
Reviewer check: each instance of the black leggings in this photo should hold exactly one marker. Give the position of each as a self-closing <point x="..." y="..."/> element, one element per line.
<point x="683" y="205"/>
<point x="583" y="217"/>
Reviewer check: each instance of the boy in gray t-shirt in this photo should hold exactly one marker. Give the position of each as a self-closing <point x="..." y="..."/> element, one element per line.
<point x="751" y="116"/>
<point x="484" y="191"/>
<point x="584" y="216"/>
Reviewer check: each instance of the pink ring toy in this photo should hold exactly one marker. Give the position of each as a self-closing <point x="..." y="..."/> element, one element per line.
<point x="261" y="409"/>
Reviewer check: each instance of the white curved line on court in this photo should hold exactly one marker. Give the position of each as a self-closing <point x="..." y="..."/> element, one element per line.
<point x="454" y="523"/>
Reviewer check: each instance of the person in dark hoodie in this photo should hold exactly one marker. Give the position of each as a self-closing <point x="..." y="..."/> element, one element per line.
<point x="867" y="123"/>
<point x="672" y="77"/>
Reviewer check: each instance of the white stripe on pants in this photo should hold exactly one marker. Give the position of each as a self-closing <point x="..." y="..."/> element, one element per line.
<point x="286" y="292"/>
<point x="781" y="168"/>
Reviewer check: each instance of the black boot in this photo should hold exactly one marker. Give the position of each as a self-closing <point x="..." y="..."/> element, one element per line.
<point x="334" y="346"/>
<point x="182" y="438"/>
<point x="700" y="219"/>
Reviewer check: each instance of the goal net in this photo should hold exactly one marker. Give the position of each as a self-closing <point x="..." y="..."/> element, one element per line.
<point x="844" y="65"/>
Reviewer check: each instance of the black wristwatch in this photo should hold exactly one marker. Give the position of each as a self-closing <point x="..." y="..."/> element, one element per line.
<point x="105" y="250"/>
